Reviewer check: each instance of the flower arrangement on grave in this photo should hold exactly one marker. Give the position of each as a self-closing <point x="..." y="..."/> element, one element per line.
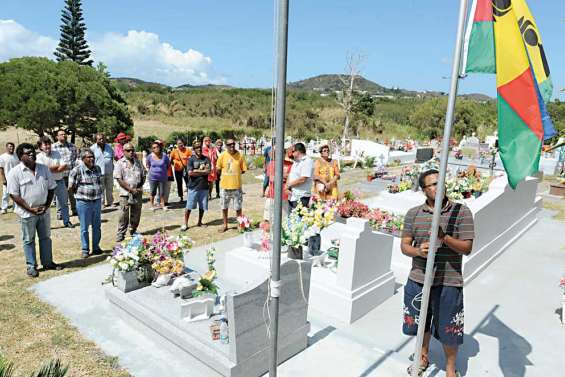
<point x="411" y="172"/>
<point x="167" y="253"/>
<point x="206" y="283"/>
<point x="386" y="222"/>
<point x="402" y="186"/>
<point x="350" y="206"/>
<point x="244" y="224"/>
<point x="293" y="230"/>
<point x="318" y="216"/>
<point x="129" y="255"/>
<point x="465" y="186"/>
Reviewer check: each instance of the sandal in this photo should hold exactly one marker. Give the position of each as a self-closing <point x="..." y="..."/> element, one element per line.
<point x="423" y="366"/>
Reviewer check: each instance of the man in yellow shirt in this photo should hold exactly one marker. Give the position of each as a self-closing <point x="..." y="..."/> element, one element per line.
<point x="232" y="165"/>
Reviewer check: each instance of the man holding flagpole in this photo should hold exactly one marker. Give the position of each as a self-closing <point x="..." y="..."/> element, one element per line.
<point x="445" y="317"/>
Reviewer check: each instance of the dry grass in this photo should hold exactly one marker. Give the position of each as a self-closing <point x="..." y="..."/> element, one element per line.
<point x="557" y="205"/>
<point x="32" y="332"/>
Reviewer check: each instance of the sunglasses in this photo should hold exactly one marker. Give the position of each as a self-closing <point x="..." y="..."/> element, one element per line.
<point x="230" y="144"/>
<point x="128" y="150"/>
<point x="29" y="153"/>
<point x="430" y="185"/>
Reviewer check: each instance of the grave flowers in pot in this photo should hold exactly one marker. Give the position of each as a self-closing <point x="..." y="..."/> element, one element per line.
<point x="318" y="216"/>
<point x="244" y="226"/>
<point x="293" y="235"/>
<point x="131" y="264"/>
<point x="167" y="254"/>
<point x="350" y="206"/>
<point x="386" y="222"/>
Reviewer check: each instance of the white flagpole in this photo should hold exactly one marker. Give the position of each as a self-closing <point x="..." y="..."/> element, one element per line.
<point x="456" y="69"/>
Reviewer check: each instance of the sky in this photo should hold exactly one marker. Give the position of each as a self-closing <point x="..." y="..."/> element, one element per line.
<point x="407" y="44"/>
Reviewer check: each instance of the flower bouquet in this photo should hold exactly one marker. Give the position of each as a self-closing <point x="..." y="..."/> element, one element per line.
<point x="167" y="254"/>
<point x="318" y="216"/>
<point x="352" y="208"/>
<point x="206" y="283"/>
<point x="293" y="235"/>
<point x="244" y="224"/>
<point x="131" y="264"/>
<point x="386" y="222"/>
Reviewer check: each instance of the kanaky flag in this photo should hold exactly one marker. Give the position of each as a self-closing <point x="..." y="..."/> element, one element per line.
<point x="496" y="43"/>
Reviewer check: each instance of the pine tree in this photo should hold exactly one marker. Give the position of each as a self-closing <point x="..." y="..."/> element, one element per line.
<point x="73" y="45"/>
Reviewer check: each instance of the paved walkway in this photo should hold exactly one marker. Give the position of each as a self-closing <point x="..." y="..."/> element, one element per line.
<point x="512" y="322"/>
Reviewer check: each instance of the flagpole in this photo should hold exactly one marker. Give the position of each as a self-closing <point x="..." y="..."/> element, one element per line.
<point x="282" y="48"/>
<point x="444" y="157"/>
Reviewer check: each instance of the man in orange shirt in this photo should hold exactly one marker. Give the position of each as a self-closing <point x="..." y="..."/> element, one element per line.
<point x="179" y="159"/>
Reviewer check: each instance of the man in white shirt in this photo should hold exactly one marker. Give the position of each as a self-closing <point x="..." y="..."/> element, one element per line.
<point x="32" y="187"/>
<point x="7" y="161"/>
<point x="104" y="159"/>
<point x="69" y="156"/>
<point x="52" y="159"/>
<point x="300" y="178"/>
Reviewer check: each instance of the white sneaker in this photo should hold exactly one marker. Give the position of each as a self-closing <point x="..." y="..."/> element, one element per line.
<point x="3" y="211"/>
<point x="183" y="228"/>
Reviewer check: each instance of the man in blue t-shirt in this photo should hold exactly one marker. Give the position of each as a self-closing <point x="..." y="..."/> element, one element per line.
<point x="198" y="169"/>
<point x="268" y="157"/>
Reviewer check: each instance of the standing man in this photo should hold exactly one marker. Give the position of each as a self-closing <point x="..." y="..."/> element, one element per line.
<point x="8" y="161"/>
<point x="455" y="239"/>
<point x="198" y="170"/>
<point x="232" y="165"/>
<point x="130" y="175"/>
<point x="104" y="159"/>
<point x="69" y="157"/>
<point x="179" y="160"/>
<point x="32" y="187"/>
<point x="52" y="159"/>
<point x="219" y="149"/>
<point x="210" y="151"/>
<point x="300" y="177"/>
<point x="85" y="181"/>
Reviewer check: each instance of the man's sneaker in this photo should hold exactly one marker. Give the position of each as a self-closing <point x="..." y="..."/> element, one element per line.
<point x="85" y="254"/>
<point x="183" y="228"/>
<point x="69" y="225"/>
<point x="98" y="252"/>
<point x="32" y="272"/>
<point x="3" y="211"/>
<point x="53" y="266"/>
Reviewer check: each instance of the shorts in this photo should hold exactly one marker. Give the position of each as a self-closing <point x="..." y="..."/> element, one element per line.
<point x="228" y="195"/>
<point x="197" y="197"/>
<point x="445" y="317"/>
<point x="269" y="210"/>
<point x="153" y="185"/>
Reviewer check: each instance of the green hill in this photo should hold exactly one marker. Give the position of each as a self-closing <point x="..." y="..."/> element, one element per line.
<point x="330" y="83"/>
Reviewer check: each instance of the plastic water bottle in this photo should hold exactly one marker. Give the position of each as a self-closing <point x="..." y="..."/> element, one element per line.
<point x="224" y="336"/>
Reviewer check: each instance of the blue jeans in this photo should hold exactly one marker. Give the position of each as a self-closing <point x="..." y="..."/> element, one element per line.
<point x="89" y="215"/>
<point x="5" y="197"/>
<point x="62" y="200"/>
<point x="42" y="225"/>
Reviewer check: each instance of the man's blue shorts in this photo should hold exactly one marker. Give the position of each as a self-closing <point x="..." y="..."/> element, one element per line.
<point x="197" y="197"/>
<point x="445" y="312"/>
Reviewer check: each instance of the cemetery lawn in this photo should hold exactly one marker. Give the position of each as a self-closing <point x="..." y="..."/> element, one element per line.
<point x="32" y="332"/>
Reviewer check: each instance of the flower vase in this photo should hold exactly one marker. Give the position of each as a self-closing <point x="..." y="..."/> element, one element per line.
<point x="126" y="281"/>
<point x="415" y="185"/>
<point x="248" y="239"/>
<point x="162" y="280"/>
<point x="294" y="252"/>
<point x="314" y="244"/>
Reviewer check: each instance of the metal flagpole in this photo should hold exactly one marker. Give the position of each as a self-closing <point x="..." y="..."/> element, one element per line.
<point x="282" y="47"/>
<point x="440" y="188"/>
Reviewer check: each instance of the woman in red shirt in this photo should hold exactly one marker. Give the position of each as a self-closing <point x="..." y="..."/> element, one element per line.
<point x="270" y="196"/>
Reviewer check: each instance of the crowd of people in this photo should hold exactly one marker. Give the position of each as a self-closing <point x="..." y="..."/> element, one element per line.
<point x="82" y="183"/>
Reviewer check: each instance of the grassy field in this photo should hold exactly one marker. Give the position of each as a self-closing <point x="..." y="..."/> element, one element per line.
<point x="32" y="332"/>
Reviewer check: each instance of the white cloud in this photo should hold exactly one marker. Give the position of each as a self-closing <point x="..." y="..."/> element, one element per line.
<point x="138" y="54"/>
<point x="17" y="41"/>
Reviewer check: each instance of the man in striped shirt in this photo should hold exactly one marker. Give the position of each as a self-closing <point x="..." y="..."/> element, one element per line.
<point x="455" y="239"/>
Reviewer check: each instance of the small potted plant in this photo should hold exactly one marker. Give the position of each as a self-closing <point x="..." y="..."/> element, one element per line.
<point x="293" y="235"/>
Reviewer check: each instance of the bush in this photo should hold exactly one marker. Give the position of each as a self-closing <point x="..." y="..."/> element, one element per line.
<point x="259" y="162"/>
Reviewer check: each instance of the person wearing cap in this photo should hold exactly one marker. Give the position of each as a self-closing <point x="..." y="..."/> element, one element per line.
<point x="120" y="141"/>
